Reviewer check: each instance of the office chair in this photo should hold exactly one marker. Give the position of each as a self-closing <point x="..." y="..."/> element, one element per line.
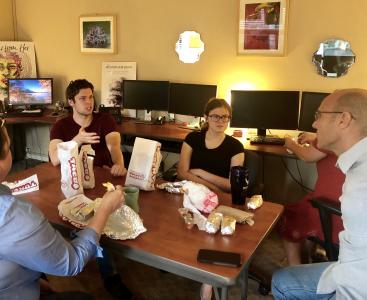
<point x="253" y="164"/>
<point x="327" y="208"/>
<point x="256" y="187"/>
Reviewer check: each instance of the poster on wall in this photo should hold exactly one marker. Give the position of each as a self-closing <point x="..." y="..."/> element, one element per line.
<point x="262" y="27"/>
<point x="113" y="74"/>
<point x="17" y="60"/>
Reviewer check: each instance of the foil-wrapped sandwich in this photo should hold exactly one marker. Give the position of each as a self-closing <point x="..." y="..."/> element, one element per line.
<point x="255" y="202"/>
<point x="228" y="226"/>
<point x="212" y="224"/>
<point x="187" y="216"/>
<point x="172" y="187"/>
<point x="122" y="224"/>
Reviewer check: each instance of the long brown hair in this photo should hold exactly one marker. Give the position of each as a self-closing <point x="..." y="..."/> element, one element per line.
<point x="214" y="103"/>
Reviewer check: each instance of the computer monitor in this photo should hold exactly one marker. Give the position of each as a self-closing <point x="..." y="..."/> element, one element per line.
<point x="190" y="99"/>
<point x="265" y="110"/>
<point x="145" y="94"/>
<point x="310" y="102"/>
<point x="30" y="91"/>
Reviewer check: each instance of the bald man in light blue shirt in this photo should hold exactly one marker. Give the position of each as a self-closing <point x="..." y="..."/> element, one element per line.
<point x="341" y="123"/>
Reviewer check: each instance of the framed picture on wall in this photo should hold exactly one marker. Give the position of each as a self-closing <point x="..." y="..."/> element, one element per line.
<point x="97" y="34"/>
<point x="262" y="27"/>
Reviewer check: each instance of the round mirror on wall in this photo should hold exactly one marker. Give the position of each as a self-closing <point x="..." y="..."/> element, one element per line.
<point x="333" y="58"/>
<point x="189" y="47"/>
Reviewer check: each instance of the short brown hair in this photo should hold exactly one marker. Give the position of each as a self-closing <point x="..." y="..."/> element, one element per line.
<point x="75" y="86"/>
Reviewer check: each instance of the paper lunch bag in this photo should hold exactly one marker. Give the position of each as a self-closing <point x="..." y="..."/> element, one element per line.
<point x="144" y="164"/>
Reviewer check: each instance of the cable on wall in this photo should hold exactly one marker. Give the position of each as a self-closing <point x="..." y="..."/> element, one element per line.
<point x="15" y="24"/>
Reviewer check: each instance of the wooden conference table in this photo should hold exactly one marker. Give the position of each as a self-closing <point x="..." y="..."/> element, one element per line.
<point x="167" y="244"/>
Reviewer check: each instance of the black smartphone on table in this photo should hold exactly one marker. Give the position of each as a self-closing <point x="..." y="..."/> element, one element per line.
<point x="216" y="257"/>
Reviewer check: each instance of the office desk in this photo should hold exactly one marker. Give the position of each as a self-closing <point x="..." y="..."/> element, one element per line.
<point x="172" y="132"/>
<point x="167" y="244"/>
<point x="166" y="131"/>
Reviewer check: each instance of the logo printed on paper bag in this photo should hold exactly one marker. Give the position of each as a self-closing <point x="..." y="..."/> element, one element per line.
<point x="74" y="174"/>
<point x="137" y="175"/>
<point x="85" y="166"/>
<point x="24" y="187"/>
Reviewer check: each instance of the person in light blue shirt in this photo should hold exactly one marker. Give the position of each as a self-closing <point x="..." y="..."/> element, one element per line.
<point x="341" y="123"/>
<point x="30" y="246"/>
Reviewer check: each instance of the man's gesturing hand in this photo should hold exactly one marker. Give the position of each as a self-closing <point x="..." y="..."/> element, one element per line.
<point x="84" y="137"/>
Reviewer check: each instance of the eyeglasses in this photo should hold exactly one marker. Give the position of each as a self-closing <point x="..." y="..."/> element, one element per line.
<point x="318" y="113"/>
<point x="217" y="118"/>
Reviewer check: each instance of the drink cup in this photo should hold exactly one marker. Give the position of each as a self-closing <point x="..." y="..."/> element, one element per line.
<point x="239" y="184"/>
<point x="132" y="197"/>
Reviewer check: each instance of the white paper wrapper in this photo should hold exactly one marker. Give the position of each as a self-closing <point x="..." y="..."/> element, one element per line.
<point x="86" y="158"/>
<point x="200" y="196"/>
<point x="71" y="177"/>
<point x="27" y="185"/>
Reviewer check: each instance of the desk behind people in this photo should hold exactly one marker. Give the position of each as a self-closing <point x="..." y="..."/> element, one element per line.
<point x="166" y="132"/>
<point x="167" y="244"/>
<point x="172" y="132"/>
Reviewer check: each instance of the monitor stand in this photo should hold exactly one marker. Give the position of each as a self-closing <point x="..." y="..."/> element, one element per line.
<point x="143" y="115"/>
<point x="262" y="132"/>
<point x="153" y="117"/>
<point x="159" y="114"/>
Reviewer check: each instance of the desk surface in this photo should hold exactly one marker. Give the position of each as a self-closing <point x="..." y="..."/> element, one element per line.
<point x="167" y="244"/>
<point x="46" y="118"/>
<point x="172" y="132"/>
<point x="167" y="131"/>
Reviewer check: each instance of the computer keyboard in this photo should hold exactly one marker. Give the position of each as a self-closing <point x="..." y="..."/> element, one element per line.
<point x="267" y="140"/>
<point x="24" y="113"/>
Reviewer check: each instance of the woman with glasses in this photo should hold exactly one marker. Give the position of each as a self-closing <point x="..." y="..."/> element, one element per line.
<point x="207" y="156"/>
<point x="30" y="246"/>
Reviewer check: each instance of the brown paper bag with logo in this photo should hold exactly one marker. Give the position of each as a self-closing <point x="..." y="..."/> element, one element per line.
<point x="144" y="164"/>
<point x="86" y="159"/>
<point x="71" y="177"/>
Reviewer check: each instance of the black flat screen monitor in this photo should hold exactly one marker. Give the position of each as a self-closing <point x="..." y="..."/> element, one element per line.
<point x="265" y="110"/>
<point x="190" y="99"/>
<point x="310" y="102"/>
<point x="145" y="94"/>
<point x="30" y="91"/>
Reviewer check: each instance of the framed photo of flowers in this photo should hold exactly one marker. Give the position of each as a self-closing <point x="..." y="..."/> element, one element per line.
<point x="97" y="34"/>
<point x="262" y="27"/>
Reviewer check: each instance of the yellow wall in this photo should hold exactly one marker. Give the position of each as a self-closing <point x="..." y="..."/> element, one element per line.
<point x="6" y="21"/>
<point x="148" y="30"/>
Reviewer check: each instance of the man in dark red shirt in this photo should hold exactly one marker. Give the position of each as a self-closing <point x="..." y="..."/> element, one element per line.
<point x="100" y="130"/>
<point x="86" y="127"/>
